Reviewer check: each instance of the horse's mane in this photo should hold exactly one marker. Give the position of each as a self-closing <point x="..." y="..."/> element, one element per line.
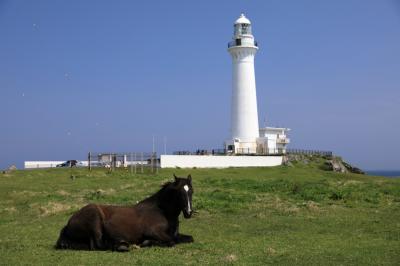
<point x="166" y="184"/>
<point x="164" y="188"/>
<point x="154" y="196"/>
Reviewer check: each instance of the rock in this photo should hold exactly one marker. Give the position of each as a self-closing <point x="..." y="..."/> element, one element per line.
<point x="290" y="164"/>
<point x="286" y="161"/>
<point x="356" y="170"/>
<point x="353" y="169"/>
<point x="294" y="158"/>
<point x="328" y="165"/>
<point x="9" y="169"/>
<point x="12" y="168"/>
<point x="336" y="164"/>
<point x="330" y="162"/>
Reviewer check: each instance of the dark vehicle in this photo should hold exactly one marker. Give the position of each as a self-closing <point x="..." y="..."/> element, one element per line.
<point x="69" y="163"/>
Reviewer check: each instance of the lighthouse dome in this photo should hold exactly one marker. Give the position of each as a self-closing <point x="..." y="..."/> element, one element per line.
<point x="242" y="20"/>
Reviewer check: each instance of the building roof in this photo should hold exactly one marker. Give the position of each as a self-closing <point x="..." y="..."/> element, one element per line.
<point x="275" y="128"/>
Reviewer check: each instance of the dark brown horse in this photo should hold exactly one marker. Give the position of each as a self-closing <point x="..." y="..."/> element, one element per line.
<point x="153" y="221"/>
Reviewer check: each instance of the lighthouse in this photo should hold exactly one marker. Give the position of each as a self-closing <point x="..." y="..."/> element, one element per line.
<point x="255" y="147"/>
<point x="244" y="115"/>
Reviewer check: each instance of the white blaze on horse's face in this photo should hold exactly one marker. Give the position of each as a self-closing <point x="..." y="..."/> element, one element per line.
<point x="186" y="188"/>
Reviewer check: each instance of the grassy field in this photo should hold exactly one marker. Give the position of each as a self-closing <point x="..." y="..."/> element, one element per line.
<point x="297" y="215"/>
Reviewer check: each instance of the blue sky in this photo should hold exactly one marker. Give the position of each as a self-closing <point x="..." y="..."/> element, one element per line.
<point x="79" y="76"/>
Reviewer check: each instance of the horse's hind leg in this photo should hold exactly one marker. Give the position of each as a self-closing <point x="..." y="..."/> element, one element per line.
<point x="83" y="230"/>
<point x="96" y="240"/>
<point x="94" y="228"/>
<point x="91" y="244"/>
<point x="122" y="246"/>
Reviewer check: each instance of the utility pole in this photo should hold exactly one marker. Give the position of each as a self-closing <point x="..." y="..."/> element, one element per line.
<point x="165" y="145"/>
<point x="153" y="145"/>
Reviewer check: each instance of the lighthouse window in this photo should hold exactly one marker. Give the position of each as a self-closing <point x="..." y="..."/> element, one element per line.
<point x="238" y="30"/>
<point x="245" y="29"/>
<point x="242" y="29"/>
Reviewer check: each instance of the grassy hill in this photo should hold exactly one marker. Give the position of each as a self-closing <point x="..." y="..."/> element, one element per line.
<point x="299" y="215"/>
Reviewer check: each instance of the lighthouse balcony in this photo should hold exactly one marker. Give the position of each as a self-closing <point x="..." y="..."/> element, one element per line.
<point x="282" y="140"/>
<point x="243" y="43"/>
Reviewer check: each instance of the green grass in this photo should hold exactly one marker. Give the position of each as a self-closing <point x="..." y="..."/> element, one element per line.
<point x="298" y="215"/>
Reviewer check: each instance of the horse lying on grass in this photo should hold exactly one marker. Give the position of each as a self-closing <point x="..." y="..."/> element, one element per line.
<point x="153" y="221"/>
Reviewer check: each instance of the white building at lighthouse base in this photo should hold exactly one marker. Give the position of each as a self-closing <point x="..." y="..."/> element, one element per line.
<point x="272" y="141"/>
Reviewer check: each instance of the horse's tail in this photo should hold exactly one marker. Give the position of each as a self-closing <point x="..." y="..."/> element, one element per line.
<point x="63" y="241"/>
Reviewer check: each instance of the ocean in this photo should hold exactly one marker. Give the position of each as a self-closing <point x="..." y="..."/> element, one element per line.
<point x="387" y="173"/>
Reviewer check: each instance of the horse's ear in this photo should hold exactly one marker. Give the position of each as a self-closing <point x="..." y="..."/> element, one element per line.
<point x="175" y="177"/>
<point x="189" y="179"/>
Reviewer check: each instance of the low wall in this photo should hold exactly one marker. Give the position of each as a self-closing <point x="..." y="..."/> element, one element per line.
<point x="210" y="161"/>
<point x="41" y="164"/>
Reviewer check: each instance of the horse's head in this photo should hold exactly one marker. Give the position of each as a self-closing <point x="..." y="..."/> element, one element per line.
<point x="185" y="192"/>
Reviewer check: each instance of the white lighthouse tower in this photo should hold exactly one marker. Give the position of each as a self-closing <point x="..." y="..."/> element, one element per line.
<point x="244" y="115"/>
<point x="264" y="146"/>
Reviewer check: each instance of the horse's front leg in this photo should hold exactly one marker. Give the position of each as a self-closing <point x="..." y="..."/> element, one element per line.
<point x="164" y="239"/>
<point x="181" y="238"/>
<point x="159" y="236"/>
<point x="149" y="243"/>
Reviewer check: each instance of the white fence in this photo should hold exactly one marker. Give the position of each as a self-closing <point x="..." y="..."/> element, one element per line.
<point x="51" y="164"/>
